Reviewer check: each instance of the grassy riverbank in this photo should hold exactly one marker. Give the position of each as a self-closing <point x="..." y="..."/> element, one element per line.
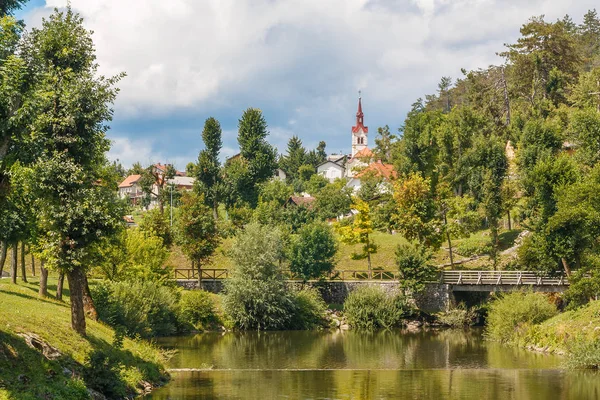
<point x="99" y="361"/>
<point x="530" y="320"/>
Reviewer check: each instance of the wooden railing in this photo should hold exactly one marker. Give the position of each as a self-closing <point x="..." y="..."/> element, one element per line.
<point x="515" y="278"/>
<point x="336" y="275"/>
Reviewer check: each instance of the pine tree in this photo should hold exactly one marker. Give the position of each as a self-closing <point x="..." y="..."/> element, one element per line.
<point x="208" y="168"/>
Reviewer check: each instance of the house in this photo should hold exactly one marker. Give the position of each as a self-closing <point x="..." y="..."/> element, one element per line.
<point x="303" y="201"/>
<point x="386" y="172"/>
<point x="280" y="175"/>
<point x="131" y="189"/>
<point x="332" y="169"/>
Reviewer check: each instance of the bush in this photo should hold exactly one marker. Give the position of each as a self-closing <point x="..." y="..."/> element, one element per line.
<point x="309" y="310"/>
<point x="473" y="247"/>
<point x="584" y="354"/>
<point x="415" y="267"/>
<point x="457" y="317"/>
<point x="515" y="312"/>
<point x="146" y="309"/>
<point x="370" y="307"/>
<point x="198" y="309"/>
<point x="255" y="297"/>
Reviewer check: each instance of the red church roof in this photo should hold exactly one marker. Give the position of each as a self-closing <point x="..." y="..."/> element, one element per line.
<point x="380" y="169"/>
<point x="359" y="119"/>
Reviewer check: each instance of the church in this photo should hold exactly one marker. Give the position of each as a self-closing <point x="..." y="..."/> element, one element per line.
<point x="359" y="162"/>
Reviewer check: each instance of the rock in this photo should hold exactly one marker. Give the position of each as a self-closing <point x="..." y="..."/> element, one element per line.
<point x="414" y="326"/>
<point x="344" y="327"/>
<point x="35" y="342"/>
<point x="94" y="395"/>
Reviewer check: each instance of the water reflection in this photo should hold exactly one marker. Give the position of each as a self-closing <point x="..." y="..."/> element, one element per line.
<point x="353" y="365"/>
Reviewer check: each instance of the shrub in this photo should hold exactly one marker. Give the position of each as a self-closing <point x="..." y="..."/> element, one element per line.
<point x="255" y="297"/>
<point x="514" y="312"/>
<point x="473" y="247"/>
<point x="146" y="309"/>
<point x="584" y="354"/>
<point x="312" y="252"/>
<point x="309" y="310"/>
<point x="415" y="267"/>
<point x="198" y="309"/>
<point x="370" y="307"/>
<point x="155" y="223"/>
<point x="457" y="317"/>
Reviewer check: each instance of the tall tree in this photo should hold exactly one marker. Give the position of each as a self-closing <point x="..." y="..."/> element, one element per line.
<point x="208" y="168"/>
<point x="296" y="157"/>
<point x="383" y="144"/>
<point x="72" y="106"/>
<point x="360" y="232"/>
<point x="259" y="155"/>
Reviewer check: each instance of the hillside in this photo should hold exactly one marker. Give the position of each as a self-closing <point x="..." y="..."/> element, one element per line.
<point x="94" y="361"/>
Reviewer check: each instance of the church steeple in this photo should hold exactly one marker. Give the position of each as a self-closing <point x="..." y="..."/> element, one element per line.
<point x="359" y="131"/>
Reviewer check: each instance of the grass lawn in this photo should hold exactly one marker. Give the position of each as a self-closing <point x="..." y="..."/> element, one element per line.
<point x="26" y="374"/>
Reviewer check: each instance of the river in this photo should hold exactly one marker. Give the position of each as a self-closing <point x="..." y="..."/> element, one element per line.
<point x="446" y="364"/>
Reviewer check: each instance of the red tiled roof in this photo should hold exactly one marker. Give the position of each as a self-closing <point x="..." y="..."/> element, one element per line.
<point x="129" y="181"/>
<point x="301" y="200"/>
<point x="380" y="169"/>
<point x="364" y="153"/>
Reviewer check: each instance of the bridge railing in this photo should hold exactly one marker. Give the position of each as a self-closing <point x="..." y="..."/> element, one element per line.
<point x="500" y="278"/>
<point x="336" y="275"/>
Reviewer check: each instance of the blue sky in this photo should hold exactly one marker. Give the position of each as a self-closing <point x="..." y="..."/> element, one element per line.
<point x="300" y="61"/>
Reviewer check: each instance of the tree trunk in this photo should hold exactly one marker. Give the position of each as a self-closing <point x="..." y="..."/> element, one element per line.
<point x="32" y="262"/>
<point x="509" y="223"/>
<point x="369" y="257"/>
<point x="449" y="241"/>
<point x="43" y="280"/>
<point x="199" y="265"/>
<point x="59" y="286"/>
<point x="215" y="210"/>
<point x="88" y="302"/>
<point x="3" y="253"/>
<point x="13" y="262"/>
<point x="76" y="279"/>
<point x="23" y="270"/>
<point x="566" y="266"/>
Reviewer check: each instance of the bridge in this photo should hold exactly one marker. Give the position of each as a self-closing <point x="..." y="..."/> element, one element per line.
<point x="458" y="281"/>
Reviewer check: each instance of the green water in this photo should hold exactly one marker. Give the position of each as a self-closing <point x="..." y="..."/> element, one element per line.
<point x="352" y="365"/>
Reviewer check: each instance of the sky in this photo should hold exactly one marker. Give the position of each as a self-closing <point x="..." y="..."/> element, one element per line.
<point x="302" y="62"/>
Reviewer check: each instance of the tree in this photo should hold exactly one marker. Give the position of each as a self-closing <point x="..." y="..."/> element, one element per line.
<point x="8" y="7"/>
<point x="359" y="232"/>
<point x="71" y="107"/>
<point x="333" y="200"/>
<point x="196" y="230"/>
<point x="317" y="156"/>
<point x="312" y="252"/>
<point x="255" y="296"/>
<point x="415" y="267"/>
<point x="208" y="168"/>
<point x="156" y="223"/>
<point x="155" y="179"/>
<point x="384" y="143"/>
<point x="295" y="158"/>
<point x="259" y="156"/>
<point x="416" y="213"/>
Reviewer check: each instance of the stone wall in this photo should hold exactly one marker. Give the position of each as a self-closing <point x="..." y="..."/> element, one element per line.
<point x="436" y="297"/>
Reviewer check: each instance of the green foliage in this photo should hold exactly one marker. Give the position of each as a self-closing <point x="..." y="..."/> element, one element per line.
<point x="156" y="223"/>
<point x="360" y="231"/>
<point x="510" y="315"/>
<point x="295" y="158"/>
<point x="333" y="199"/>
<point x="209" y="183"/>
<point x="198" y="309"/>
<point x="309" y="309"/>
<point x="312" y="251"/>
<point x="473" y="246"/>
<point x="133" y="255"/>
<point x="585" y="128"/>
<point x="584" y="354"/>
<point x="457" y="317"/>
<point x="255" y="297"/>
<point x="415" y="267"/>
<point x="196" y="229"/>
<point x="370" y="307"/>
<point x="102" y="373"/>
<point x="145" y="309"/>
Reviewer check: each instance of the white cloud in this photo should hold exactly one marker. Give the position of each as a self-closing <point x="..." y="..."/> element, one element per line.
<point x="300" y="60"/>
<point x="128" y="151"/>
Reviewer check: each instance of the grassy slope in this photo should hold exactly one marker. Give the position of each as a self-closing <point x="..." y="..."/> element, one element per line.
<point x="384" y="258"/>
<point x="25" y="373"/>
<point x="559" y="332"/>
